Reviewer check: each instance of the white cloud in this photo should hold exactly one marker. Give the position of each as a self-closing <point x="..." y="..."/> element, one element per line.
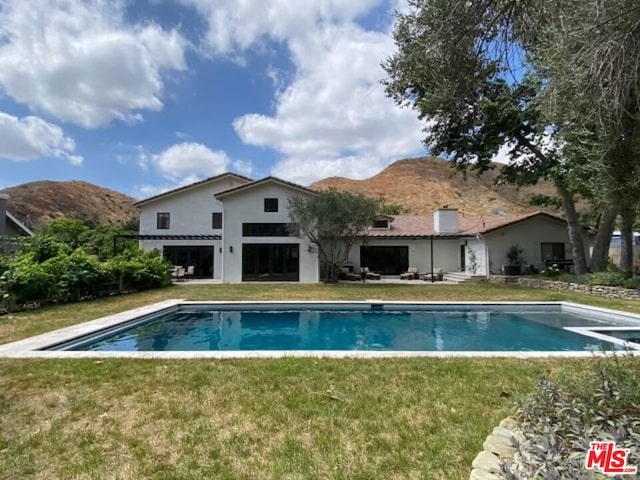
<point x="80" y="62"/>
<point x="334" y="116"/>
<point x="30" y="138"/>
<point x="236" y="25"/>
<point x="182" y="164"/>
<point x="190" y="162"/>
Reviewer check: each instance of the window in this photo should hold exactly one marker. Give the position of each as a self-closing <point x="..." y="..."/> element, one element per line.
<point x="553" y="251"/>
<point x="163" y="221"/>
<point x="383" y="223"/>
<point x="270" y="204"/>
<point x="216" y="220"/>
<point x="265" y="230"/>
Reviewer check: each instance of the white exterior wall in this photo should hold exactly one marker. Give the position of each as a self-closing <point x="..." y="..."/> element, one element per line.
<point x="479" y="248"/>
<point x="248" y="207"/>
<point x="529" y="235"/>
<point x="190" y="214"/>
<point x="445" y="253"/>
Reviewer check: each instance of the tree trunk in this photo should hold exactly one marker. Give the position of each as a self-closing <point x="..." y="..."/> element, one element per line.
<point x="600" y="254"/>
<point x="574" y="229"/>
<point x="627" y="219"/>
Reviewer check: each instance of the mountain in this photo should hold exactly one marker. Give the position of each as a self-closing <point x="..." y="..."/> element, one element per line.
<point x="424" y="184"/>
<point x="40" y="202"/>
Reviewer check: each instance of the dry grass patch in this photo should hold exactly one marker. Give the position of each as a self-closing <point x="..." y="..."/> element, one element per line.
<point x="273" y="419"/>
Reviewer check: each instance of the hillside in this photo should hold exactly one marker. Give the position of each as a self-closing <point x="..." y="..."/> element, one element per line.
<point x="423" y="184"/>
<point x="46" y="200"/>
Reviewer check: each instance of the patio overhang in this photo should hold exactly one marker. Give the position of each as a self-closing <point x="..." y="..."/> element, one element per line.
<point x="162" y="237"/>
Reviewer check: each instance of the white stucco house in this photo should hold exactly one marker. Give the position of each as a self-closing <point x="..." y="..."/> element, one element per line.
<point x="234" y="229"/>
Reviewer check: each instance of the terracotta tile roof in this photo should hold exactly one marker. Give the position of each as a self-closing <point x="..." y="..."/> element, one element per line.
<point x="469" y="225"/>
<point x="260" y="182"/>
<point x="191" y="185"/>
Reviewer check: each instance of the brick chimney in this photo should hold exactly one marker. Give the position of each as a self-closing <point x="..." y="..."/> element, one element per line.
<point x="445" y="220"/>
<point x="4" y="198"/>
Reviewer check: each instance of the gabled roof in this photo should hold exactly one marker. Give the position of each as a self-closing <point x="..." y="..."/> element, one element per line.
<point x="192" y="185"/>
<point x="421" y="226"/>
<point x="19" y="225"/>
<point x="263" y="181"/>
<point x="520" y="218"/>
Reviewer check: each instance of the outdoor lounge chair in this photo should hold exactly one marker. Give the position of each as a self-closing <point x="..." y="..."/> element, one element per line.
<point x="191" y="271"/>
<point x="180" y="273"/>
<point x="437" y="275"/>
<point x="352" y="276"/>
<point x="370" y="275"/>
<point x="410" y="274"/>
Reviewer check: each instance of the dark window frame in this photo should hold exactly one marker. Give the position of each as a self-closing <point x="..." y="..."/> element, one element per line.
<point x="216" y="220"/>
<point x="252" y="229"/>
<point x="163" y="221"/>
<point x="271" y="205"/>
<point x="556" y="247"/>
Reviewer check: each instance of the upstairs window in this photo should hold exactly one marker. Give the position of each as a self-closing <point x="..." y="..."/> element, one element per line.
<point x="270" y="204"/>
<point x="216" y="220"/>
<point x="163" y="221"/>
<point x="265" y="230"/>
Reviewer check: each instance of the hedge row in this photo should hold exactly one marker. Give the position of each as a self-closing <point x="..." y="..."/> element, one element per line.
<point x="50" y="273"/>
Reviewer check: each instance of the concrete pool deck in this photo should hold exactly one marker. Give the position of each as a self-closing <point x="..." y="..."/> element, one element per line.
<point x="33" y="347"/>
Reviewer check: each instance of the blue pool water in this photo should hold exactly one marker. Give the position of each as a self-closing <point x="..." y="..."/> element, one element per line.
<point x="399" y="330"/>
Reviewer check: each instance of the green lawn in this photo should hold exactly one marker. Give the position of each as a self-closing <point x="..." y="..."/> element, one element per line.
<point x="253" y="419"/>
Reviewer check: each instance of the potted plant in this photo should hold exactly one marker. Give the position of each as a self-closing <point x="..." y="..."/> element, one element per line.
<point x="516" y="261"/>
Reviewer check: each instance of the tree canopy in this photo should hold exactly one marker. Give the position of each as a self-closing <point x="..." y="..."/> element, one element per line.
<point x="333" y="221"/>
<point x="553" y="83"/>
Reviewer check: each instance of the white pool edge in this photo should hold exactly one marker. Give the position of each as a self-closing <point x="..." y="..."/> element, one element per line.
<point x="32" y="347"/>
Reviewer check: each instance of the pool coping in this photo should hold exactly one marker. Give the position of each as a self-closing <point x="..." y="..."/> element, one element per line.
<point x="31" y="347"/>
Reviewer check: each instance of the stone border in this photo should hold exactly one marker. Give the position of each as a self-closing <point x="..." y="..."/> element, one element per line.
<point x="499" y="446"/>
<point x="597" y="290"/>
<point x="33" y="347"/>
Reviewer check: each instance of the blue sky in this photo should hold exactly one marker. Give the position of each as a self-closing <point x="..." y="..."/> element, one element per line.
<point x="144" y="96"/>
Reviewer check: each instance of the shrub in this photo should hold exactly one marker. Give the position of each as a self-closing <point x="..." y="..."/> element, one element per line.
<point x="632" y="283"/>
<point x="77" y="275"/>
<point x="552" y="271"/>
<point x="560" y="419"/>
<point x="26" y="280"/>
<point x="72" y="276"/>
<point x="136" y="269"/>
<point x="608" y="279"/>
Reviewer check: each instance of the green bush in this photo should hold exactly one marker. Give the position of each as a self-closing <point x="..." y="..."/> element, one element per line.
<point x="137" y="269"/>
<point x="551" y="272"/>
<point x="77" y="275"/>
<point x="608" y="279"/>
<point x="73" y="276"/>
<point x="26" y="280"/>
<point x="632" y="283"/>
<point x="560" y="419"/>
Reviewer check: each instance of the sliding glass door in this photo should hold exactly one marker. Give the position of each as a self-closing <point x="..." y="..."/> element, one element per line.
<point x="270" y="262"/>
<point x="388" y="260"/>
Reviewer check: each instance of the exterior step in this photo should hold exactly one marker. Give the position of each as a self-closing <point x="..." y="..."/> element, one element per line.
<point x="461" y="277"/>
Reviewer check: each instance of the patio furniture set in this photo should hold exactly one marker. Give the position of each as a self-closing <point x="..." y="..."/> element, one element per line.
<point x="179" y="273"/>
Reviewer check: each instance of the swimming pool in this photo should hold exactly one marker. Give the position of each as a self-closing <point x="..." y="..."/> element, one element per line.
<point x="230" y="329"/>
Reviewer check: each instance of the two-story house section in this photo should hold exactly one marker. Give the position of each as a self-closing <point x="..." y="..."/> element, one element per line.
<point x="257" y="243"/>
<point x="186" y="224"/>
